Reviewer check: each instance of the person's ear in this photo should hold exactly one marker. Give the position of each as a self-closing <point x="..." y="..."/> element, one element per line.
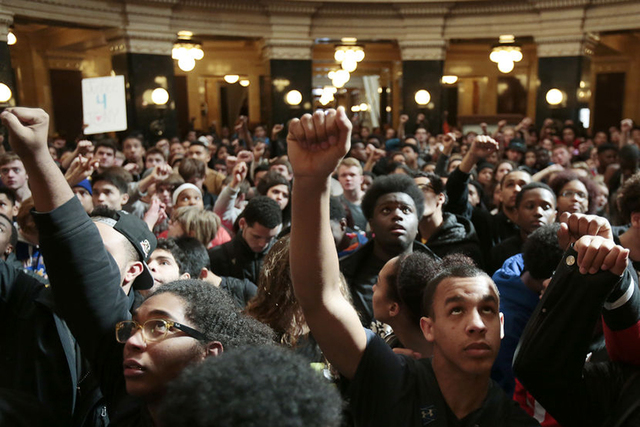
<point x="124" y="198"/>
<point x="133" y="270"/>
<point x="426" y="325"/>
<point x="394" y="309"/>
<point x="242" y="223"/>
<point x="501" y="325"/>
<point x="185" y="276"/>
<point x="441" y="199"/>
<point x="635" y="219"/>
<point x="214" y="348"/>
<point x="343" y="225"/>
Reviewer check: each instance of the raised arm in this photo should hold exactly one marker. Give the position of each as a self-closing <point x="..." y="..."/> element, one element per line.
<point x="316" y="145"/>
<point x="589" y="273"/>
<point x="28" y="129"/>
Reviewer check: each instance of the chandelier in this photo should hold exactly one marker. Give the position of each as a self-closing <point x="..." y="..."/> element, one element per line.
<point x="349" y="54"/>
<point x="187" y="51"/>
<point x="506" y="53"/>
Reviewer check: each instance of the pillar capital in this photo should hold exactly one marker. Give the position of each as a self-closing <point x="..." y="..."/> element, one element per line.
<point x="423" y="50"/>
<point x="570" y="45"/>
<point x="276" y="48"/>
<point x="6" y="19"/>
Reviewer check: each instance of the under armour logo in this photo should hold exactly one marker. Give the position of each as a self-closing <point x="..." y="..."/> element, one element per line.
<point x="428" y="414"/>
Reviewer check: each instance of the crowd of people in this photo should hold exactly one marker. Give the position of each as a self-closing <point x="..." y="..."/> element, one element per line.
<point x="332" y="275"/>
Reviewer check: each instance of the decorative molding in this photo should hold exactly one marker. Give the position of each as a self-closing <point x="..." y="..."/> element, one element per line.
<point x="574" y="45"/>
<point x="135" y="41"/>
<point x="422" y="50"/>
<point x="287" y="49"/>
<point x="505" y="7"/>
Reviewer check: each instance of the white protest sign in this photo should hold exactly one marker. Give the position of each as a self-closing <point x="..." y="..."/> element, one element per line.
<point x="104" y="105"/>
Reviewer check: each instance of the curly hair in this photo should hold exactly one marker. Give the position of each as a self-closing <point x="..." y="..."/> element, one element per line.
<point x="251" y="387"/>
<point x="275" y="303"/>
<point x="451" y="266"/>
<point x="565" y="177"/>
<point x="629" y="197"/>
<point x="213" y="312"/>
<point x="541" y="252"/>
<point x="397" y="183"/>
<point x="264" y="211"/>
<point x="413" y="273"/>
<point x="193" y="256"/>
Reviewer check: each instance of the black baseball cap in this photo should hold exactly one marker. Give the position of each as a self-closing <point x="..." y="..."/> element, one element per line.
<point x="137" y="232"/>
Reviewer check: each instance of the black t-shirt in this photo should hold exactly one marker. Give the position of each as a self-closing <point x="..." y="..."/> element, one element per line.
<point x="394" y="390"/>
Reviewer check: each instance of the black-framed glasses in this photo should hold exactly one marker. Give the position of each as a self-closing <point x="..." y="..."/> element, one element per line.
<point x="153" y="330"/>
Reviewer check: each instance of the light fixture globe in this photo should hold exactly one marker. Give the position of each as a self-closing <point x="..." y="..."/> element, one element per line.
<point x="339" y="55"/>
<point x="359" y="55"/>
<point x="5" y="93"/>
<point x="506" y="66"/>
<point x="516" y="55"/>
<point x="293" y="97"/>
<point x="196" y="53"/>
<point x="245" y="82"/>
<point x="231" y="78"/>
<point x="186" y="63"/>
<point x="554" y="96"/>
<point x="422" y="97"/>
<point x="160" y="96"/>
<point x="11" y="38"/>
<point x="349" y="65"/>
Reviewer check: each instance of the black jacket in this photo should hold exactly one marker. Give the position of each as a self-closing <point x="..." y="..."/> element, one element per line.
<point x="236" y="259"/>
<point x="456" y="235"/>
<point x="360" y="269"/>
<point x="550" y="358"/>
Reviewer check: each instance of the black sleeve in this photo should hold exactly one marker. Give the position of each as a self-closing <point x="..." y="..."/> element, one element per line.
<point x="17" y="289"/>
<point x="85" y="281"/>
<point x="550" y="357"/>
<point x="458" y="194"/>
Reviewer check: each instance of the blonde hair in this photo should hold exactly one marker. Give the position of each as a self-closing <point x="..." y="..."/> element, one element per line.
<point x="203" y="225"/>
<point x="351" y="162"/>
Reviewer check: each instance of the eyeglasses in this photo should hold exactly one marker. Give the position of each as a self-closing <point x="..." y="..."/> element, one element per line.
<point x="426" y="187"/>
<point x="153" y="330"/>
<point x="571" y="193"/>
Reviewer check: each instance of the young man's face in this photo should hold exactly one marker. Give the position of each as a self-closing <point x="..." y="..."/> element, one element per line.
<point x="511" y="186"/>
<point x="7" y="207"/>
<point x="86" y="199"/>
<point x="5" y="238"/>
<point x="14" y="175"/>
<point x="132" y="149"/>
<point x="561" y="156"/>
<point x="105" y="193"/>
<point x="432" y="201"/>
<point x="537" y="208"/>
<point x="409" y="154"/>
<point x="189" y="197"/>
<point x="421" y="135"/>
<point x="164" y="267"/>
<point x="153" y="160"/>
<point x="395" y="221"/>
<point x="279" y="193"/>
<point x="465" y="326"/>
<point x="106" y="157"/>
<point x="350" y="178"/>
<point x="257" y="236"/>
<point x="149" y="366"/>
<point x="380" y="300"/>
<point x="199" y="152"/>
<point x="176" y="148"/>
<point x="282" y="170"/>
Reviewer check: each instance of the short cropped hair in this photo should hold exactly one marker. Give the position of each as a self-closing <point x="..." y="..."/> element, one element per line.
<point x="211" y="311"/>
<point x="397" y="183"/>
<point x="192" y="168"/>
<point x="250" y="387"/>
<point x="8" y="158"/>
<point x="154" y="150"/>
<point x="351" y="162"/>
<point x="114" y="178"/>
<point x="451" y="266"/>
<point x="196" y="256"/>
<point x="533" y="186"/>
<point x="541" y="252"/>
<point x="414" y="272"/>
<point x="170" y="246"/>
<point x="107" y="143"/>
<point x="264" y="211"/>
<point x="11" y="195"/>
<point x="606" y="147"/>
<point x="434" y="180"/>
<point x="629" y="197"/>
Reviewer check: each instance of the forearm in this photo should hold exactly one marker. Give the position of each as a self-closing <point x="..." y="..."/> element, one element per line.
<point x="48" y="186"/>
<point x="67" y="158"/>
<point x="401" y="131"/>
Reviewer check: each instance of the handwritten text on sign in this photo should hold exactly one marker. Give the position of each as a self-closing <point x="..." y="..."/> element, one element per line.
<point x="104" y="105"/>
